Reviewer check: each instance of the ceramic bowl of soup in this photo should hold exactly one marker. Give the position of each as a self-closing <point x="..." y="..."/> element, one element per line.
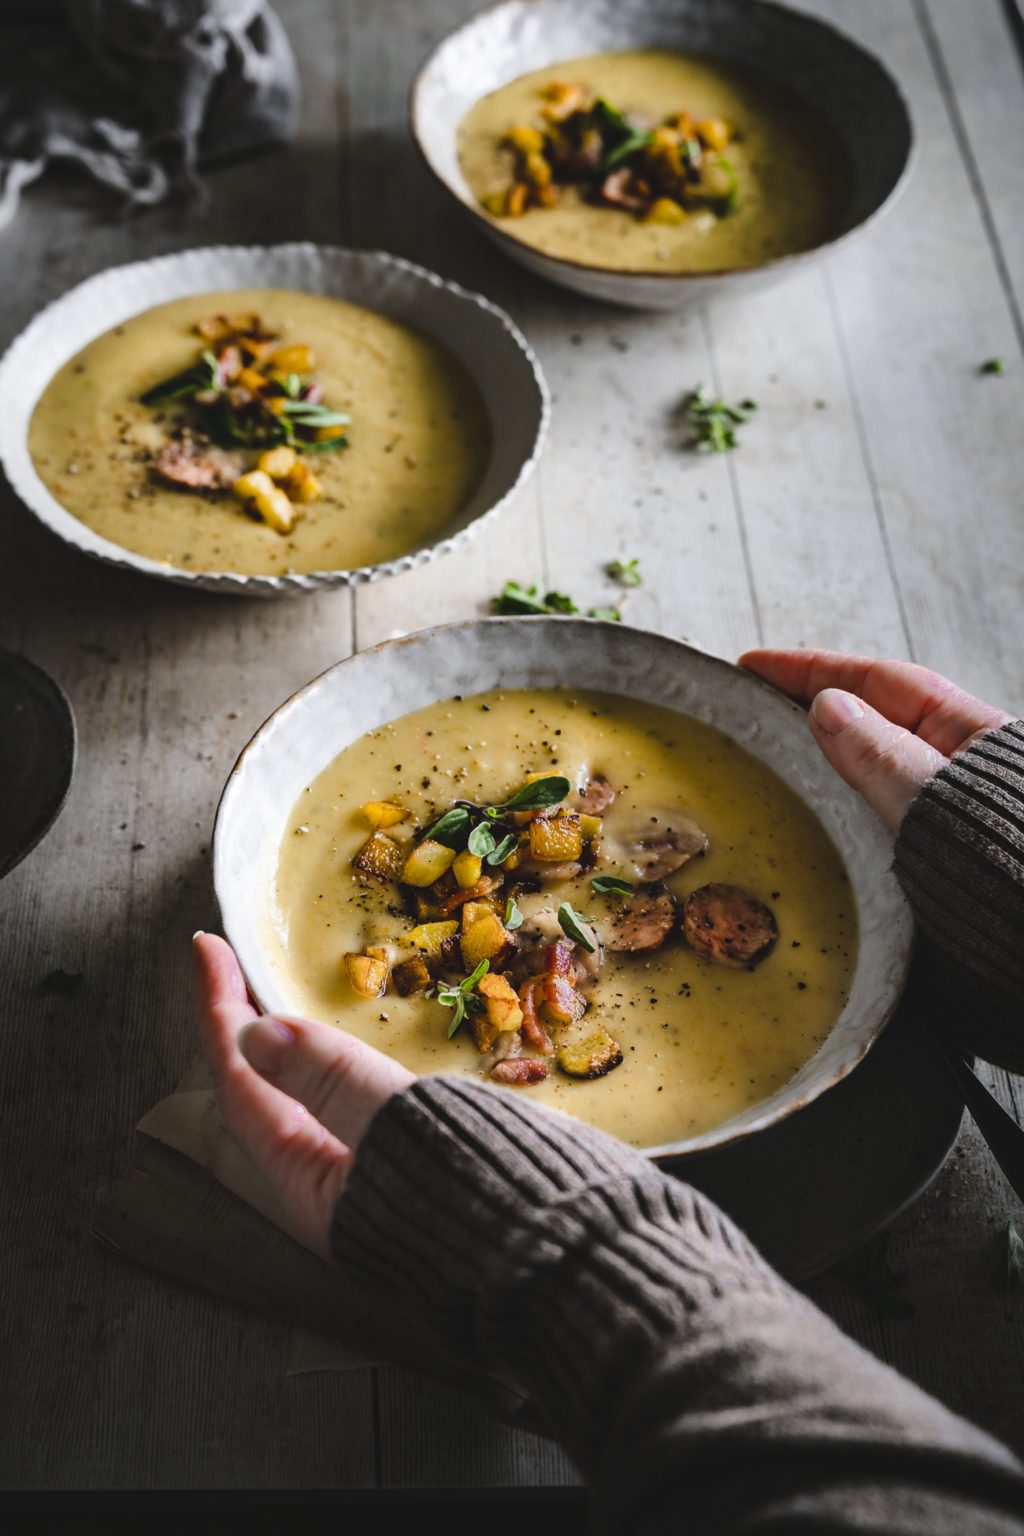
<point x="269" y="420"/>
<point x="651" y="152"/>
<point x="591" y="865"/>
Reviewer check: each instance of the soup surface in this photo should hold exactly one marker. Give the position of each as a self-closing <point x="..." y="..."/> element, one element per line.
<point x="699" y="1041"/>
<point x="789" y="173"/>
<point x="418" y="440"/>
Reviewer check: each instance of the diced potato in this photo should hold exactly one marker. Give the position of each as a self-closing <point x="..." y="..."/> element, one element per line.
<point x="592" y="1056"/>
<point x="411" y="977"/>
<point x="380" y="856"/>
<point x="528" y="141"/>
<point x="515" y="199"/>
<point x="328" y="434"/>
<point x="482" y="940"/>
<point x="591" y="826"/>
<point x="427" y="863"/>
<point x="665" y="138"/>
<point x="556" y="840"/>
<point x="293" y="359"/>
<point x="665" y="210"/>
<point x="495" y="203"/>
<point x="302" y="484"/>
<point x="713" y="132"/>
<point x="379" y="952"/>
<point x="383" y="813"/>
<point x="537" y="170"/>
<point x="467" y="869"/>
<point x="270" y="501"/>
<point x="429" y="937"/>
<point x="249" y="379"/>
<point x="278" y="462"/>
<point x="220" y="327"/>
<point x="564" y="97"/>
<point x="473" y="911"/>
<point x="367" y="974"/>
<point x="502" y="1014"/>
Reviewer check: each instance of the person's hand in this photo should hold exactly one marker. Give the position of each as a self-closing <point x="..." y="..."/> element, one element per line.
<point x="297" y="1097"/>
<point x="885" y="726"/>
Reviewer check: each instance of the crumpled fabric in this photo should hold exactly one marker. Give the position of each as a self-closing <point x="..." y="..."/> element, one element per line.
<point x="139" y="93"/>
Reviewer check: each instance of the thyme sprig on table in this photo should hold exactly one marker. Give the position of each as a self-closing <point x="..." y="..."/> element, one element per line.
<point x="714" y="422"/>
<point x="515" y="598"/>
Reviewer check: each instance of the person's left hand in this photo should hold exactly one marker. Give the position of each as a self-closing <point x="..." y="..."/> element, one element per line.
<point x="296" y="1096"/>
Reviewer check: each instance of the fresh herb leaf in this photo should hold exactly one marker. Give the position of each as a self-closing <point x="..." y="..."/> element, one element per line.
<point x="536" y="796"/>
<point x="513" y="915"/>
<point x="570" y="925"/>
<point x="993" y="365"/>
<point x="611" y="885"/>
<point x="515" y="598"/>
<point x="504" y="848"/>
<point x="461" y="998"/>
<point x="450" y="828"/>
<point x="608" y="118"/>
<point x="636" y="140"/>
<point x="481" y="840"/>
<point x="325" y="445"/>
<point x="731" y="200"/>
<point x="307" y="413"/>
<point x="201" y="375"/>
<point x="714" y="423"/>
<point x="626" y="572"/>
<point x="611" y="614"/>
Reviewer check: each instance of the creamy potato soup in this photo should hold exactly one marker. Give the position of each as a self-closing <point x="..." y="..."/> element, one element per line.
<point x="609" y="907"/>
<point x="262" y="431"/>
<point x="655" y="161"/>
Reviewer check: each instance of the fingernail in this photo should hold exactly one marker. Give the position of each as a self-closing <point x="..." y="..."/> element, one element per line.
<point x="833" y="710"/>
<point x="264" y="1044"/>
<point x="198" y="934"/>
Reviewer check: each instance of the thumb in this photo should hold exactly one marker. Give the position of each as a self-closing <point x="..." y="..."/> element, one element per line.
<point x="881" y="761"/>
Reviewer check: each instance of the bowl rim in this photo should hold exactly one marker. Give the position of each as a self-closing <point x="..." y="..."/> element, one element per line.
<point x="37" y="498"/>
<point x="771" y="264"/>
<point x="666" y="1152"/>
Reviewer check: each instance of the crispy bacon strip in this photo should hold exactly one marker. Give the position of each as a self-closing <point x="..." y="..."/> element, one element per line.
<point x="483" y="887"/>
<point x="558" y="958"/>
<point x="534" y="1033"/>
<point x="520" y="1072"/>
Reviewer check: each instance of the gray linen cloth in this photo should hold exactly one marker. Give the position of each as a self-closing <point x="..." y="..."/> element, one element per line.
<point x="138" y="92"/>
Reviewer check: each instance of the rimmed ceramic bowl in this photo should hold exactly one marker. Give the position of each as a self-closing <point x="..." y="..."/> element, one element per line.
<point x="846" y="85"/>
<point x="477" y="332"/>
<point x="375" y="686"/>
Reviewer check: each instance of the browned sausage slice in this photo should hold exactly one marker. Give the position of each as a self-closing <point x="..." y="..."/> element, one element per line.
<point x="595" y="797"/>
<point x="641" y="922"/>
<point x="520" y="1072"/>
<point x="668" y="845"/>
<point x="724" y="923"/>
<point x="195" y="467"/>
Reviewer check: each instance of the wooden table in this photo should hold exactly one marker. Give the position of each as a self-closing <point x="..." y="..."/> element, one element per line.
<point x="888" y="520"/>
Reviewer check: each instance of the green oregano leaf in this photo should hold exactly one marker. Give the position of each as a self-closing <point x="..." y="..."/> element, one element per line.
<point x="570" y="926"/>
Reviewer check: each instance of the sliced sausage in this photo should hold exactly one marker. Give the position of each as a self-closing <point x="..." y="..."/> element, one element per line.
<point x="724" y="923"/>
<point x="520" y="1072"/>
<point x="595" y="798"/>
<point x="195" y="466"/>
<point x="666" y="847"/>
<point x="641" y="922"/>
<point x="620" y="189"/>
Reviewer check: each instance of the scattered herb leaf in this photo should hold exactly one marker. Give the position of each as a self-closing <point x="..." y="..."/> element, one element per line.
<point x="500" y="854"/>
<point x="569" y="923"/>
<point x="449" y="828"/>
<point x="714" y="423"/>
<point x="481" y="840"/>
<point x="993" y="365"/>
<point x="612" y="615"/>
<point x="462" y="999"/>
<point x="611" y="885"/>
<point x="515" y="598"/>
<point x="626" y="573"/>
<point x="513" y="915"/>
<point x="536" y="796"/>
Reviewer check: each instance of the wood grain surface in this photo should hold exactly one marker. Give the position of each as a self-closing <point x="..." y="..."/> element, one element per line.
<point x="888" y="519"/>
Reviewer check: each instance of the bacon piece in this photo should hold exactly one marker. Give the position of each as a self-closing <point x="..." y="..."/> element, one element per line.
<point x="618" y="189"/>
<point x="196" y="467"/>
<point x="534" y="1033"/>
<point x="483" y="887"/>
<point x="558" y="958"/>
<point x="520" y="1072"/>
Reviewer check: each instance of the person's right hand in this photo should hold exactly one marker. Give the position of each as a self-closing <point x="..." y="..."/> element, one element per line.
<point x="885" y="726"/>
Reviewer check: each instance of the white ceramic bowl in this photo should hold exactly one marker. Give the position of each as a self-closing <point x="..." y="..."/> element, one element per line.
<point x="379" y="685"/>
<point x="480" y="335"/>
<point x="850" y="88"/>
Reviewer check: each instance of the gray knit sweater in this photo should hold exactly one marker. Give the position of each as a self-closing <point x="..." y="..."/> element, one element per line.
<point x="695" y="1389"/>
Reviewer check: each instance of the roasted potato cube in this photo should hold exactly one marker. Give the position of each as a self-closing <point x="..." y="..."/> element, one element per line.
<point x="473" y="911"/>
<point x="248" y="378"/>
<point x="380" y="856"/>
<point x="482" y="940"/>
<point x="269" y="500"/>
<point x="367" y="974"/>
<point x="496" y="203"/>
<point x="429" y="937"/>
<point x="591" y="826"/>
<point x="564" y="97"/>
<point x="537" y="170"/>
<point x="528" y="141"/>
<point x="293" y="359"/>
<point x="665" y="210"/>
<point x="515" y="199"/>
<point x="502" y="1013"/>
<point x="410" y="977"/>
<point x="301" y="483"/>
<point x="713" y="132"/>
<point x="562" y="1003"/>
<point x="467" y="869"/>
<point x="558" y="839"/>
<point x="278" y="462"/>
<point x="592" y="1056"/>
<point x="427" y="863"/>
<point x="383" y="813"/>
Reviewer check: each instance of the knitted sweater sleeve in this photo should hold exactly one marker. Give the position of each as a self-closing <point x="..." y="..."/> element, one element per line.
<point x="960" y="859"/>
<point x="693" y="1387"/>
